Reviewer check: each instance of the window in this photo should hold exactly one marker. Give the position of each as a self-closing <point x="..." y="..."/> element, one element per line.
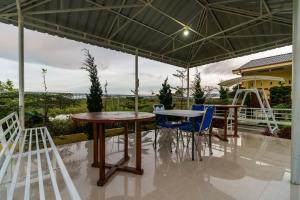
<point x="271" y="83"/>
<point x="289" y="81"/>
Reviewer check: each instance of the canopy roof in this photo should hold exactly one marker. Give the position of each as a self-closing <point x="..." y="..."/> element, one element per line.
<point x="218" y="29"/>
<point x="235" y="81"/>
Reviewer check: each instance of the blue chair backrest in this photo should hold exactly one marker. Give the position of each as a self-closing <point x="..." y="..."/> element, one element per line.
<point x="207" y="118"/>
<point x="160" y="119"/>
<point x="198" y="107"/>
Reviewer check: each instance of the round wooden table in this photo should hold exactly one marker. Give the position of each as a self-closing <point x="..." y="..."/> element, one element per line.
<point x="99" y="119"/>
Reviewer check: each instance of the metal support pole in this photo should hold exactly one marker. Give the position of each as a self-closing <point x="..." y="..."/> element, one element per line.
<point x="295" y="159"/>
<point x="21" y="65"/>
<point x="188" y="87"/>
<point x="136" y="83"/>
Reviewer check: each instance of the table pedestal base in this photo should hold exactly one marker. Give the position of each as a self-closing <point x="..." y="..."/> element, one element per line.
<point x="113" y="168"/>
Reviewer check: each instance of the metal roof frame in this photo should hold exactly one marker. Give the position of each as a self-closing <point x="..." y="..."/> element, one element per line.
<point x="169" y="47"/>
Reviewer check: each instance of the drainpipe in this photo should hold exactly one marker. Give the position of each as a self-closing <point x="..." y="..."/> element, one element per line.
<point x="21" y="64"/>
<point x="295" y="159"/>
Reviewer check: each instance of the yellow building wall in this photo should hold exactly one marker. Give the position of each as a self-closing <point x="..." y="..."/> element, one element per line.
<point x="266" y="85"/>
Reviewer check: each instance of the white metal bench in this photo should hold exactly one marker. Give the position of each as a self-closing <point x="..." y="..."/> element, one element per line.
<point x="29" y="159"/>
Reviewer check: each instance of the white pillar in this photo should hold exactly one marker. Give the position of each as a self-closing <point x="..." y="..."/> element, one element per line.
<point x="21" y="66"/>
<point x="295" y="159"/>
<point x="188" y="87"/>
<point x="136" y="83"/>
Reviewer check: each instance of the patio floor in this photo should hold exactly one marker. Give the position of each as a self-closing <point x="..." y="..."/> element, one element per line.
<point x="249" y="167"/>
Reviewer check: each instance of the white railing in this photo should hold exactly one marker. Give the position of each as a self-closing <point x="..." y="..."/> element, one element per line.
<point x="251" y="116"/>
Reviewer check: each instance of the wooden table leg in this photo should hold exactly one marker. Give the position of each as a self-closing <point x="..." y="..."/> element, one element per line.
<point x="102" y="178"/>
<point x="126" y="140"/>
<point x="225" y="125"/>
<point x="95" y="144"/>
<point x="138" y="152"/>
<point x="235" y="122"/>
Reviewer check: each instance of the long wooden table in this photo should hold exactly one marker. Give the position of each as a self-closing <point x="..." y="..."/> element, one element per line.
<point x="99" y="119"/>
<point x="226" y="109"/>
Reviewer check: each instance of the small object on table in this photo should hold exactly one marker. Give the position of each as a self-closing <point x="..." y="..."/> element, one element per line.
<point x="99" y="119"/>
<point x="226" y="109"/>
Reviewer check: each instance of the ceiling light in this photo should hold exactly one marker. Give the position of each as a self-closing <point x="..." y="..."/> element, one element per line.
<point x="186" y="32"/>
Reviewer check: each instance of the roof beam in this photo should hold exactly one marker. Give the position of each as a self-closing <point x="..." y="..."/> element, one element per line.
<point x="225" y="2"/>
<point x="115" y="19"/>
<point x="266" y="7"/>
<point x="253" y="36"/>
<point x="218" y="33"/>
<point x="137" y="22"/>
<point x="57" y="11"/>
<point x="250" y="14"/>
<point x="127" y="22"/>
<point x="199" y="29"/>
<point x="216" y="21"/>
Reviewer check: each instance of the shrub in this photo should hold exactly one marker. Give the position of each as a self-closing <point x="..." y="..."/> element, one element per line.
<point x="59" y="127"/>
<point x="280" y="95"/>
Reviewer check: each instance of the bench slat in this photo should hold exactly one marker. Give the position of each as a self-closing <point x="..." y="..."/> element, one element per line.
<point x="53" y="179"/>
<point x="40" y="172"/>
<point x="16" y="171"/>
<point x="28" y="170"/>
<point x="68" y="181"/>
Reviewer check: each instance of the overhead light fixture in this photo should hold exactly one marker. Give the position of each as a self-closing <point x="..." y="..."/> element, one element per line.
<point x="186" y="31"/>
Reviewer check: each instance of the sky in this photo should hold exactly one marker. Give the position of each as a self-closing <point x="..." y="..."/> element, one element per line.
<point x="63" y="59"/>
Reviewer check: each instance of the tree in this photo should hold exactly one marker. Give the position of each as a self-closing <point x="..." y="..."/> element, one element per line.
<point x="198" y="92"/>
<point x="165" y="95"/>
<point x="224" y="94"/>
<point x="233" y="91"/>
<point x="181" y="74"/>
<point x="105" y="93"/>
<point x="7" y="86"/>
<point x="45" y="97"/>
<point x="94" y="98"/>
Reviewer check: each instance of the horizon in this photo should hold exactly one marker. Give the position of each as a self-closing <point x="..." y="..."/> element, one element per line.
<point x="63" y="57"/>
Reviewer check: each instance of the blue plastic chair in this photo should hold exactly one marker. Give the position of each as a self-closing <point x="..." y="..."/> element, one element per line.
<point x="162" y="122"/>
<point x="199" y="125"/>
<point x="198" y="107"/>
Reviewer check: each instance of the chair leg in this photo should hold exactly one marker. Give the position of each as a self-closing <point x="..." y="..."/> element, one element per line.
<point x="177" y="140"/>
<point x="182" y="139"/>
<point x="193" y="144"/>
<point x="170" y="140"/>
<point x="209" y="143"/>
<point x="197" y="146"/>
<point x="155" y="137"/>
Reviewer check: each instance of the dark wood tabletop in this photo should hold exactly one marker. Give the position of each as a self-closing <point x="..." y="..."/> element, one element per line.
<point x="107" y="117"/>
